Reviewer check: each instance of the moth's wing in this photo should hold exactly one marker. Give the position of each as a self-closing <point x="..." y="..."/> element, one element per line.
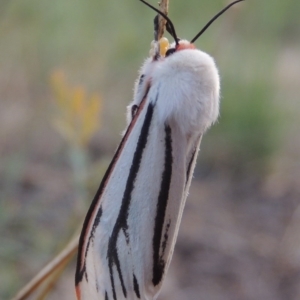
<point x="113" y="251"/>
<point x="92" y="274"/>
<point x="130" y="230"/>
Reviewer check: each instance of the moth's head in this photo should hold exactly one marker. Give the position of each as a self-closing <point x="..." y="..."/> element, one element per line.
<point x="182" y="45"/>
<point x="165" y="49"/>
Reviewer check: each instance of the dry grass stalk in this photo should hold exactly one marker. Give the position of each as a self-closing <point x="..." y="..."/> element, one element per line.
<point x="50" y="273"/>
<point x="163" y="7"/>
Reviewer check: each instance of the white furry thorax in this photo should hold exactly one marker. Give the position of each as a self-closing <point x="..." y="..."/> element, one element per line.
<point x="185" y="86"/>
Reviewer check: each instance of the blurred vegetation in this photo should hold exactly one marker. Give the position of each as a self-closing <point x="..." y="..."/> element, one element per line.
<point x="99" y="46"/>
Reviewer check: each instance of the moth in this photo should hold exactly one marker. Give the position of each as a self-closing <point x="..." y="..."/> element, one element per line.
<point x="130" y="230"/>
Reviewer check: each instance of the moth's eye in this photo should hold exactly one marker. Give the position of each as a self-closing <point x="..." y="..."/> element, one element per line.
<point x="134" y="109"/>
<point x="170" y="51"/>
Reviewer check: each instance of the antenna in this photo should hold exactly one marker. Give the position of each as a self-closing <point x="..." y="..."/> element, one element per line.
<point x="169" y="22"/>
<point x="213" y="19"/>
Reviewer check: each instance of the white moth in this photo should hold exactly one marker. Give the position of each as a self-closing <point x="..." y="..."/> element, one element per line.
<point x="130" y="230"/>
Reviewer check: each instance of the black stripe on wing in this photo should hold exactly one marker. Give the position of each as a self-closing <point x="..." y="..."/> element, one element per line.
<point x="81" y="259"/>
<point x="136" y="287"/>
<point x="121" y="222"/>
<point x="158" y="261"/>
<point x="190" y="168"/>
<point x="191" y="162"/>
<point x="80" y="268"/>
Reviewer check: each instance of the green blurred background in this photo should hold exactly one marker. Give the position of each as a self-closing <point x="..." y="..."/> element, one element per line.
<point x="239" y="237"/>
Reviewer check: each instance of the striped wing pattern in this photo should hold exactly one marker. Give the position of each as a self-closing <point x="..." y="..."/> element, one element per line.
<point x="125" y="255"/>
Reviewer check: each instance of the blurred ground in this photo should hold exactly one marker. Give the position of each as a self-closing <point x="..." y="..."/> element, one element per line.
<point x="239" y="237"/>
